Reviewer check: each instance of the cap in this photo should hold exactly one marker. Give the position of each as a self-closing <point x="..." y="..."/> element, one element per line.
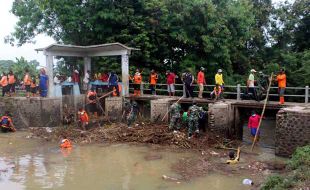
<point x="253" y="71"/>
<point x="202" y="68"/>
<point x="76" y="71"/>
<point x="220" y="70"/>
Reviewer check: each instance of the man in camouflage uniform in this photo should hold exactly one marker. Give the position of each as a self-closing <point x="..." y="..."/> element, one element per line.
<point x="126" y="108"/>
<point x="175" y="116"/>
<point x="262" y="85"/>
<point x="132" y="116"/>
<point x="193" y="119"/>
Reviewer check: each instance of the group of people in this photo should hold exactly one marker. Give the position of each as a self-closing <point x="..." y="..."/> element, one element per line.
<point x="32" y="84"/>
<point x="193" y="119"/>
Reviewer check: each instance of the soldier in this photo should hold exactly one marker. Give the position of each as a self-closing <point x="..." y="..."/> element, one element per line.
<point x="262" y="85"/>
<point x="175" y="116"/>
<point x="193" y="119"/>
<point x="132" y="116"/>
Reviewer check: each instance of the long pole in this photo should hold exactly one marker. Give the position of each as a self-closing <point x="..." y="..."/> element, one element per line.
<point x="168" y="110"/>
<point x="262" y="115"/>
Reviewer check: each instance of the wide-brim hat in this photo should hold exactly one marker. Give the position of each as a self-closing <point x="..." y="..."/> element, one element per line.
<point x="253" y="71"/>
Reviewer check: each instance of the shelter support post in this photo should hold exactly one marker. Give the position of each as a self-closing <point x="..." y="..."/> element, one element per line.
<point x="306" y="94"/>
<point x="238" y="92"/>
<point x="125" y="74"/>
<point x="87" y="64"/>
<point x="49" y="66"/>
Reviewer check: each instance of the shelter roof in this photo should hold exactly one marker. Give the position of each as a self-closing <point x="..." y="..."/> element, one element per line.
<point x="109" y="49"/>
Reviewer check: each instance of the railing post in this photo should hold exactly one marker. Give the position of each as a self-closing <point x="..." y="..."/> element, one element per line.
<point x="307" y="94"/>
<point x="184" y="92"/>
<point x="238" y="92"/>
<point x="141" y="88"/>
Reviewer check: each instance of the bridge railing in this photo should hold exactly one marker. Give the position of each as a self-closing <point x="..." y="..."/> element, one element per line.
<point x="299" y="94"/>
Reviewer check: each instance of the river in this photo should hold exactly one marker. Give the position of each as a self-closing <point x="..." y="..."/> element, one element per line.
<point x="36" y="164"/>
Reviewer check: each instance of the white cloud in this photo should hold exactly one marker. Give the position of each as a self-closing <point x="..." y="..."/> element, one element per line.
<point x="7" y="52"/>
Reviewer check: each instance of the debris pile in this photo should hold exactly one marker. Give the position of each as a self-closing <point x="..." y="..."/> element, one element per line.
<point x="153" y="134"/>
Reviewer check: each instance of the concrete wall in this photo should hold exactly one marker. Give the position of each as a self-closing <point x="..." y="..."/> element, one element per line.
<point x="221" y="118"/>
<point x="292" y="130"/>
<point x="33" y="112"/>
<point x="113" y="108"/>
<point x="159" y="108"/>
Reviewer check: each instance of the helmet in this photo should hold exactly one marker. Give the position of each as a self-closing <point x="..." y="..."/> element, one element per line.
<point x="219" y="71"/>
<point x="134" y="103"/>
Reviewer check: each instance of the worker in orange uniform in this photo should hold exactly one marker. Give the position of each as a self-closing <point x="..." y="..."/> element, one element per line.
<point x="12" y="81"/>
<point x="4" y="83"/>
<point x="92" y="102"/>
<point x="65" y="143"/>
<point x="83" y="118"/>
<point x="153" y="81"/>
<point x="137" y="80"/>
<point x="201" y="81"/>
<point x="27" y="82"/>
<point x="281" y="78"/>
<point x="6" y="123"/>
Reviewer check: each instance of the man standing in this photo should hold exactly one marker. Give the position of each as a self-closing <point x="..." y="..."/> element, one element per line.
<point x="4" y="83"/>
<point x="193" y="119"/>
<point x="86" y="81"/>
<point x="153" y="81"/>
<point x="92" y="102"/>
<point x="250" y="84"/>
<point x="253" y="124"/>
<point x="137" y="80"/>
<point x="12" y="81"/>
<point x="188" y="80"/>
<point x="27" y="82"/>
<point x="113" y="82"/>
<point x="201" y="81"/>
<point x="170" y="83"/>
<point x="281" y="78"/>
<point x="219" y="79"/>
<point x="175" y="116"/>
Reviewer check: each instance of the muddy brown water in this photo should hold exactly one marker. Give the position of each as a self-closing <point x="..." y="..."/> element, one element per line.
<point x="34" y="164"/>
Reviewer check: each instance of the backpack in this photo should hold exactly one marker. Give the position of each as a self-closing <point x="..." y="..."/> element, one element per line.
<point x="188" y="78"/>
<point x="5" y="121"/>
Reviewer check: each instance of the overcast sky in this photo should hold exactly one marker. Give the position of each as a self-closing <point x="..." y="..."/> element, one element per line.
<point x="7" y="23"/>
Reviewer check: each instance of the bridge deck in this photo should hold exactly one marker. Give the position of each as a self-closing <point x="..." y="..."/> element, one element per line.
<point x="238" y="103"/>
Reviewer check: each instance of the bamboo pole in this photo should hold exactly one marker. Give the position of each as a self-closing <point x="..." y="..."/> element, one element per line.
<point x="168" y="110"/>
<point x="262" y="115"/>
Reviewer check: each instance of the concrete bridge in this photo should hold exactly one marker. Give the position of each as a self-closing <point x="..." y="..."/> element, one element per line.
<point x="226" y="117"/>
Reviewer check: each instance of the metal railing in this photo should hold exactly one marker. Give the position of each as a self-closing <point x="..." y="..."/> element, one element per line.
<point x="300" y="94"/>
<point x="231" y="90"/>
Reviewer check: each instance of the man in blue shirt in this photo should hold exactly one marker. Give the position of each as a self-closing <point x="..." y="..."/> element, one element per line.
<point x="113" y="82"/>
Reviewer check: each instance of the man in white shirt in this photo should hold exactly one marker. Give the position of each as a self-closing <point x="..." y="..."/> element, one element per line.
<point x="86" y="81"/>
<point x="250" y="84"/>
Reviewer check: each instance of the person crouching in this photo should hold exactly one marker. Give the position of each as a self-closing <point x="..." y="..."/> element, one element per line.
<point x="7" y="123"/>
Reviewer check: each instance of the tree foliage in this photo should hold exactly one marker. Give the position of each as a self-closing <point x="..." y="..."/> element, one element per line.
<point x="179" y="34"/>
<point x="19" y="66"/>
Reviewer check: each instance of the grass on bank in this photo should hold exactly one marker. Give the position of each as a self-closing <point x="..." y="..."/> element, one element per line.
<point x="298" y="176"/>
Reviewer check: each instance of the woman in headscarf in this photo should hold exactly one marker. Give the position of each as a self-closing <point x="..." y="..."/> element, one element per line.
<point x="43" y="83"/>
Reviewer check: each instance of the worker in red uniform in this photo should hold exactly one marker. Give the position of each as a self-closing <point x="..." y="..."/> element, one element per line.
<point x="83" y="118"/>
<point x="201" y="81"/>
<point x="253" y="124"/>
<point x="281" y="78"/>
<point x="137" y="80"/>
<point x="92" y="102"/>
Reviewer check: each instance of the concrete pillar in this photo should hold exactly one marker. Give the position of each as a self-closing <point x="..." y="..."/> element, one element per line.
<point x="113" y="108"/>
<point x="159" y="108"/>
<point x="50" y="73"/>
<point x="87" y="64"/>
<point x="125" y="74"/>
